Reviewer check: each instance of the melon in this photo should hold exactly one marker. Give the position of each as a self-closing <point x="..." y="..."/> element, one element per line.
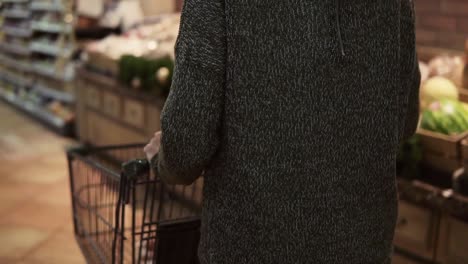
<point x="436" y="89"/>
<point x="447" y="117"/>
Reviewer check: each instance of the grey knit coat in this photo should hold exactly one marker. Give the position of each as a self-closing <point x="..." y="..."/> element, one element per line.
<point x="293" y="111"/>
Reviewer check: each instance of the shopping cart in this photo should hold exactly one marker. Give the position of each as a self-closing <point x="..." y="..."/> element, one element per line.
<point x="123" y="213"/>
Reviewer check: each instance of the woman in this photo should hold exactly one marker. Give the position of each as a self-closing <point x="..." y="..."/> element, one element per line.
<point x="293" y="110"/>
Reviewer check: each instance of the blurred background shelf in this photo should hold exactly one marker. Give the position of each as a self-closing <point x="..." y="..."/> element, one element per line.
<point x="19" y="65"/>
<point x="50" y="49"/>
<point x="60" y="125"/>
<point x="50" y="71"/>
<point x="17" y="31"/>
<point x="56" y="94"/>
<point x="36" y="68"/>
<point x="14" y="1"/>
<point x="16" y="49"/>
<point x="16" y="79"/>
<point x="51" y="27"/>
<point x="16" y="13"/>
<point x="44" y="6"/>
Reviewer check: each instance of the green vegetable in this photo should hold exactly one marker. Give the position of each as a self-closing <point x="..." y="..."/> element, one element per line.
<point x="442" y="124"/>
<point x="446" y="117"/>
<point x="145" y="70"/>
<point x="428" y="121"/>
<point x="462" y="113"/>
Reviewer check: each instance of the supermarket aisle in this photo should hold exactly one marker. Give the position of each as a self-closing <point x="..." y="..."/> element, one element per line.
<point x="35" y="213"/>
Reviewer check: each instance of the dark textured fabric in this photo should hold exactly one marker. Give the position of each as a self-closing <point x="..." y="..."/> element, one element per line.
<point x="296" y="136"/>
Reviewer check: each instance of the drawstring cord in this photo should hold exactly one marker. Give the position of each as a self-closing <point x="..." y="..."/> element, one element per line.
<point x="338" y="26"/>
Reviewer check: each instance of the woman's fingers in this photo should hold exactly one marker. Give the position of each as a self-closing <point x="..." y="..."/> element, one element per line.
<point x="150" y="152"/>
<point x="146" y="148"/>
<point x="152" y="148"/>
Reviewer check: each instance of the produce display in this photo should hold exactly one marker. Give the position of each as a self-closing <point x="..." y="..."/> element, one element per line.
<point x="447" y="117"/>
<point x="142" y="58"/>
<point x="149" y="75"/>
<point x="153" y="40"/>
<point x="442" y="112"/>
<point x="450" y="67"/>
<point x="437" y="88"/>
<point x="438" y="149"/>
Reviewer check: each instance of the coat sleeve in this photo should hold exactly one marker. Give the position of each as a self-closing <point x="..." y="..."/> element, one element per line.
<point x="409" y="73"/>
<point x="191" y="117"/>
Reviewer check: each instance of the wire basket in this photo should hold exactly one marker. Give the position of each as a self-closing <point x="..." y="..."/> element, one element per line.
<point x="123" y="213"/>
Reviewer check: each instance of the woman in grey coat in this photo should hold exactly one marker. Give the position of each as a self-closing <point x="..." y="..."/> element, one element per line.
<point x="293" y="111"/>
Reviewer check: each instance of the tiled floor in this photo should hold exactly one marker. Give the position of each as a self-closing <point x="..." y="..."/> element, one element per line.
<point x="35" y="212"/>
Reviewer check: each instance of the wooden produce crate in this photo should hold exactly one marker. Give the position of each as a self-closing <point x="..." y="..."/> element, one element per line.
<point x="442" y="152"/>
<point x="110" y="114"/>
<point x="432" y="223"/>
<point x="418" y="223"/>
<point x="463" y="95"/>
<point x="453" y="233"/>
<point x="453" y="241"/>
<point x="416" y="229"/>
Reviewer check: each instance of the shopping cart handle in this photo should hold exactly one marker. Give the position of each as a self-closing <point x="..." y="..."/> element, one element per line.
<point x="135" y="168"/>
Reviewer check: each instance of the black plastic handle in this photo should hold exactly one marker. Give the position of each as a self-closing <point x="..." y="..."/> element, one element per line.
<point x="135" y="168"/>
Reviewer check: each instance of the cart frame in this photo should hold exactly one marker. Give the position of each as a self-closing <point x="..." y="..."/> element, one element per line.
<point x="125" y="214"/>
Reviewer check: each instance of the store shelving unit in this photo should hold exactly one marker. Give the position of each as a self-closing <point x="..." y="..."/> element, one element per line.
<point x="19" y="13"/>
<point x="36" y="68"/>
<point x="14" y="1"/>
<point x="14" y="64"/>
<point x="15" y="49"/>
<point x="47" y="6"/>
<point x="48" y="49"/>
<point x="37" y="112"/>
<point x="17" y="31"/>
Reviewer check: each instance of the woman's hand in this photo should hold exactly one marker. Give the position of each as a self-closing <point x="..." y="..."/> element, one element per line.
<point x="152" y="148"/>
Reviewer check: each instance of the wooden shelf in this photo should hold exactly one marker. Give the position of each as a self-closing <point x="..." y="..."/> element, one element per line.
<point x="111" y="84"/>
<point x="434" y="197"/>
<point x="103" y="104"/>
